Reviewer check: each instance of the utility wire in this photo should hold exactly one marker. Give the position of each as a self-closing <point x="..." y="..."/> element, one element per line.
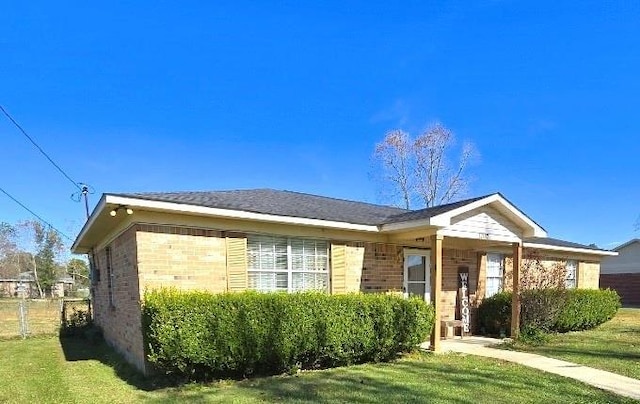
<point x="34" y="214"/>
<point x="17" y="125"/>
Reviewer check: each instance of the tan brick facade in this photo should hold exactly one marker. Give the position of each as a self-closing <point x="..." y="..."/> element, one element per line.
<point x="182" y="258"/>
<point x="151" y="256"/>
<point x="147" y="257"/>
<point x="121" y="321"/>
<point x="382" y="269"/>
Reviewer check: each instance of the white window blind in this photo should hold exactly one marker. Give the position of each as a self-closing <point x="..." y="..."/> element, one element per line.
<point x="495" y="273"/>
<point x="287" y="264"/>
<point x="571" y="274"/>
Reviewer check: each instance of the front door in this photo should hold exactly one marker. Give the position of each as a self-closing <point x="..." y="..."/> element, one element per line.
<point x="417" y="279"/>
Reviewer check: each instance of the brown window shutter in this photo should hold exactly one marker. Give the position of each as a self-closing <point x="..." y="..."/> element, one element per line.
<point x="236" y="264"/>
<point x="338" y="268"/>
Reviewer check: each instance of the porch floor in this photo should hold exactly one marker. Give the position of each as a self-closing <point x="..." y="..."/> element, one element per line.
<point x="464" y="345"/>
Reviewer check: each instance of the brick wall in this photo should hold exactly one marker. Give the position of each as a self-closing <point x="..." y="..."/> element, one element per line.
<point x="354" y="260"/>
<point x="451" y="261"/>
<point x="627" y="285"/>
<point x="184" y="258"/>
<point x="120" y="322"/>
<point x="382" y="270"/>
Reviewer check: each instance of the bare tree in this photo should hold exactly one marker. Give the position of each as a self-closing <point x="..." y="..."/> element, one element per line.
<point x="538" y="273"/>
<point x="419" y="170"/>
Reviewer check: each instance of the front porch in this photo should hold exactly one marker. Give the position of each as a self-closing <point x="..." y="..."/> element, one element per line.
<point x="455" y="276"/>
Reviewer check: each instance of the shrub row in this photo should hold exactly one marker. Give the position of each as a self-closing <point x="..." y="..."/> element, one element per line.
<point x="199" y="335"/>
<point x="554" y="310"/>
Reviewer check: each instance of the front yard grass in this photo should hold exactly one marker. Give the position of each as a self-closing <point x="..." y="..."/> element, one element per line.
<point x="613" y="346"/>
<point x="74" y="370"/>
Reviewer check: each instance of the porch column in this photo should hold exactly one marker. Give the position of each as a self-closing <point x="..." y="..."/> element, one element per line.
<point x="436" y="290"/>
<point x="515" y="300"/>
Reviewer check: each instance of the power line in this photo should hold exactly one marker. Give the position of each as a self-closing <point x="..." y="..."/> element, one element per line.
<point x="17" y="125"/>
<point x="34" y="214"/>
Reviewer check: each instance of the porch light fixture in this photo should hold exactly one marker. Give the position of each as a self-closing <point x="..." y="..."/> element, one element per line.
<point x="114" y="211"/>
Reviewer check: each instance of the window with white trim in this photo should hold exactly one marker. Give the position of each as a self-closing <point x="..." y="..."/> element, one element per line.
<point x="495" y="274"/>
<point x="287" y="264"/>
<point x="571" y="274"/>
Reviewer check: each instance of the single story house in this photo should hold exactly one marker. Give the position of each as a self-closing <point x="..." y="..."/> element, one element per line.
<point x="622" y="272"/>
<point x="269" y="240"/>
<point x="24" y="286"/>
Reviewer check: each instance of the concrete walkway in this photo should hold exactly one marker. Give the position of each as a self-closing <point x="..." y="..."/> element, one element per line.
<point x="621" y="385"/>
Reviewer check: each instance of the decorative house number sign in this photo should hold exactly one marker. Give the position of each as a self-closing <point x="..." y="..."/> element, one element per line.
<point x="463" y="298"/>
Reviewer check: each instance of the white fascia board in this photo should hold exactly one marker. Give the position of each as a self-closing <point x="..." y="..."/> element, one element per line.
<point x="444" y="219"/>
<point x="569" y="249"/>
<point x="235" y="214"/>
<point x="390" y="227"/>
<point x="87" y="225"/>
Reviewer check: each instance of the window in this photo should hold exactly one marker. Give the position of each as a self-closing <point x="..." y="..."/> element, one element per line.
<point x="571" y="274"/>
<point x="287" y="264"/>
<point x="109" y="276"/>
<point x="94" y="273"/>
<point x="495" y="272"/>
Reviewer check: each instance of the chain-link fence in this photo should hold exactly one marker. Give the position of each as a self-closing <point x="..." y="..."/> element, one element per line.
<point x="25" y="317"/>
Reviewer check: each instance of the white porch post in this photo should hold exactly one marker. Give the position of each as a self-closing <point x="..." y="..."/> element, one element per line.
<point x="515" y="300"/>
<point x="436" y="279"/>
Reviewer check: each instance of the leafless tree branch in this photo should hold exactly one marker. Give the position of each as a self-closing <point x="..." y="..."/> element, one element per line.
<point x="419" y="169"/>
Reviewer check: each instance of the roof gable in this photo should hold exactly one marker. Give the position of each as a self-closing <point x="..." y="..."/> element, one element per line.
<point x="627" y="244"/>
<point x="444" y="216"/>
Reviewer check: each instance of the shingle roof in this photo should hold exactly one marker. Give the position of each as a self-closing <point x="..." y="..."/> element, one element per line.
<point x="560" y="243"/>
<point x="280" y="203"/>
<point x="430" y="212"/>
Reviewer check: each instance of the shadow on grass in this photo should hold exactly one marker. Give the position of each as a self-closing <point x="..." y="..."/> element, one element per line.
<point x="82" y="348"/>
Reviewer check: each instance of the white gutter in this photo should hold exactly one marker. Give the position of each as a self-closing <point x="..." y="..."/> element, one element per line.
<point x="569" y="249"/>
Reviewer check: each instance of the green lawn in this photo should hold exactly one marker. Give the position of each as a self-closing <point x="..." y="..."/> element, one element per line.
<point x="613" y="346"/>
<point x="44" y="370"/>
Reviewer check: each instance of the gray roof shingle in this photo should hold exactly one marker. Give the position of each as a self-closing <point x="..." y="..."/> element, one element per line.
<point x="430" y="212"/>
<point x="280" y="203"/>
<point x="560" y="243"/>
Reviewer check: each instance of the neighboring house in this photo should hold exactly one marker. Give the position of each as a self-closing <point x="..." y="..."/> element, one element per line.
<point x="24" y="285"/>
<point x="269" y="240"/>
<point x="622" y="273"/>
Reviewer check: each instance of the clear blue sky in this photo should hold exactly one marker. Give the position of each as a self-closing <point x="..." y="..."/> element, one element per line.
<point x="160" y="96"/>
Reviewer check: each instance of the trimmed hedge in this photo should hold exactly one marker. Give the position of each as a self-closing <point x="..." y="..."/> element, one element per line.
<point x="587" y="309"/>
<point x="553" y="310"/>
<point x="199" y="335"/>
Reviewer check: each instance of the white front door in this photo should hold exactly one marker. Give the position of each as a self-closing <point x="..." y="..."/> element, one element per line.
<point x="417" y="273"/>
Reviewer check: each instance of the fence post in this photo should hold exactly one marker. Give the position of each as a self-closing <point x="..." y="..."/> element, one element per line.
<point x="22" y="310"/>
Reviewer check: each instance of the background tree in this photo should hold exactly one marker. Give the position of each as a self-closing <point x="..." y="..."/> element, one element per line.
<point x="79" y="271"/>
<point x="8" y="250"/>
<point x="48" y="245"/>
<point x="419" y="171"/>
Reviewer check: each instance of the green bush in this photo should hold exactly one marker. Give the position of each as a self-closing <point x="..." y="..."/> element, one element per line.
<point x="494" y="314"/>
<point x="587" y="309"/>
<point x="549" y="310"/>
<point x="540" y="308"/>
<point x="199" y="335"/>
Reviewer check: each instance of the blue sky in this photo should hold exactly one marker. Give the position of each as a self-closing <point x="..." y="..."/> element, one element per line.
<point x="159" y="96"/>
